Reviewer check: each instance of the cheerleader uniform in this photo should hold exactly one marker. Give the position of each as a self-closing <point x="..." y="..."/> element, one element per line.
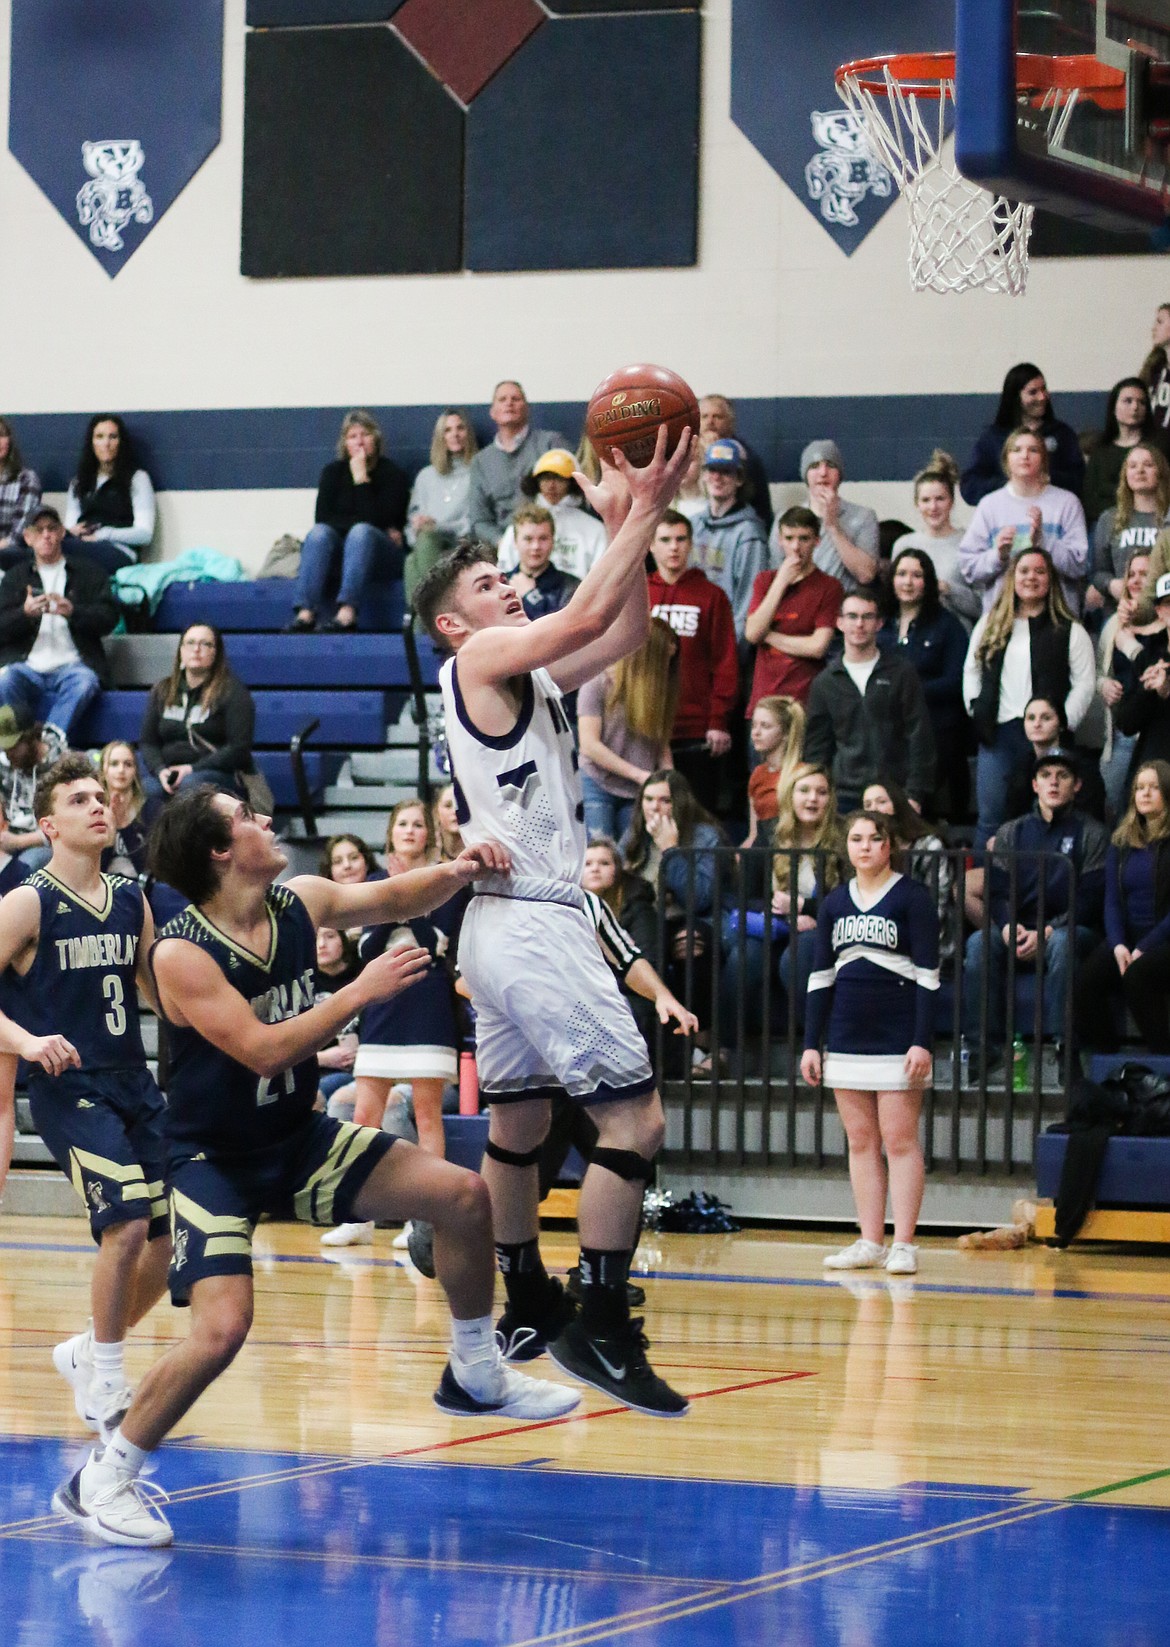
<point x="414" y="1033"/>
<point x="874" y="984"/>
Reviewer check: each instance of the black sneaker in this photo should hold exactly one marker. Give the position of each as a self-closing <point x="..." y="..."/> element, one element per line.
<point x="635" y="1295"/>
<point x="525" y="1340"/>
<point x="617" y="1366"/>
<point x="420" y="1245"/>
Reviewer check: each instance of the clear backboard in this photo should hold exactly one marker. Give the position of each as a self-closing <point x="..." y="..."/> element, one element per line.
<point x="1066" y="104"/>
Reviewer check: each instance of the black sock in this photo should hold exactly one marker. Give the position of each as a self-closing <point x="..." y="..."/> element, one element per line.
<point x="605" y="1309"/>
<point x="526" y="1280"/>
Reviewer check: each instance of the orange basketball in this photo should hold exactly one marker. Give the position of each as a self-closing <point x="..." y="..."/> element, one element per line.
<point x="628" y="408"/>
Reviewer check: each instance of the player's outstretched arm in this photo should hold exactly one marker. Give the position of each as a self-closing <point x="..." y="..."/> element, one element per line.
<point x="144" y="976"/>
<point x="497" y="654"/>
<point x="195" y="994"/>
<point x="414" y="892"/>
<point x="20" y="927"/>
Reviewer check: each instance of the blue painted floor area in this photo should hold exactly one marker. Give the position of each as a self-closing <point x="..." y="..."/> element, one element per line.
<point x="282" y="1551"/>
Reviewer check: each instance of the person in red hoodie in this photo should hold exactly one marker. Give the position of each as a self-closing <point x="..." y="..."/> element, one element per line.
<point x="700" y="614"/>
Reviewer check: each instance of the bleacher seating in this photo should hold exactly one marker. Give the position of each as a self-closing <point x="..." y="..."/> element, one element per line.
<point x="266" y="605"/>
<point x="356" y="686"/>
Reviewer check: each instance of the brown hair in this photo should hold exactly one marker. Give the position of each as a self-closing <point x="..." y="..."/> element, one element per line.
<point x="1133" y="831"/>
<point x="1013" y="441"/>
<point x="186" y="833"/>
<point x="441" y="458"/>
<point x="534" y="514"/>
<point x="686" y="810"/>
<point x="434" y="589"/>
<point x="360" y="420"/>
<point x="136" y="789"/>
<point x="431" y="854"/>
<point x="216" y="683"/>
<point x="644" y="684"/>
<point x="1125" y="502"/>
<point x="325" y="866"/>
<point x="885" y="829"/>
<point x="71" y="767"/>
<point x="1003" y="614"/>
<point x="13" y="463"/>
<point x="939" y="466"/>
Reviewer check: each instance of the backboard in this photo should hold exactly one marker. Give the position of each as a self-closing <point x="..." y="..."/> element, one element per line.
<point x="1066" y="103"/>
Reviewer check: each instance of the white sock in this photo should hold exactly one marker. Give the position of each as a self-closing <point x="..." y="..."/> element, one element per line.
<point x="123" y="1454"/>
<point x="109" y="1366"/>
<point x="473" y="1340"/>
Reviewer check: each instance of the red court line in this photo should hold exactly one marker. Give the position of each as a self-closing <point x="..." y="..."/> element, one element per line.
<point x="577" y="1418"/>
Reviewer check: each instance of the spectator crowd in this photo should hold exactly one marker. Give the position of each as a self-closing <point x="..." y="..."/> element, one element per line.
<point x="800" y="666"/>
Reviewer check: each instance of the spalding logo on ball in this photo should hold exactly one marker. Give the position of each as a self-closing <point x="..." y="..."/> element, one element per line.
<point x="627" y="410"/>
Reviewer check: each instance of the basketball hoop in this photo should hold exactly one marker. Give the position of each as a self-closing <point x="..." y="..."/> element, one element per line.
<point x="961" y="236"/>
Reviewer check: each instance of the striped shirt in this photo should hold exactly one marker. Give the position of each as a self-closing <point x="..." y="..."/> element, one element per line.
<point x="617" y="946"/>
<point x="19" y="498"/>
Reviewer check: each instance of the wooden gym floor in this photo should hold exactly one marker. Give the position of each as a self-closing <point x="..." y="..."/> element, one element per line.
<point x="978" y="1455"/>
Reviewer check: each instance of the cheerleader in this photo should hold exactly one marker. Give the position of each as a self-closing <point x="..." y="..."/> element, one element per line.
<point x="871" y="998"/>
<point x="410" y="1037"/>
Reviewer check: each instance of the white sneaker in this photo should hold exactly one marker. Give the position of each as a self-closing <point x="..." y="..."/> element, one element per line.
<point x="862" y="1255"/>
<point x="903" y="1259"/>
<point x="349" y="1235"/>
<point x="469" y="1389"/>
<point x="402" y="1240"/>
<point x="108" y="1405"/>
<point x="114" y="1505"/>
<point x="74" y="1361"/>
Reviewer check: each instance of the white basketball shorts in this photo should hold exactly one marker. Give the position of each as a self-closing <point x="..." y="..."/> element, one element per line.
<point x="549" y="1016"/>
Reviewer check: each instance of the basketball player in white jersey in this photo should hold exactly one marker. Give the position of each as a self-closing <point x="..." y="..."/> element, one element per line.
<point x="548" y="1013"/>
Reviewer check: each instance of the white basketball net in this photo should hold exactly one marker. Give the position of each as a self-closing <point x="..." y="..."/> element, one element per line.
<point x="961" y="236"/>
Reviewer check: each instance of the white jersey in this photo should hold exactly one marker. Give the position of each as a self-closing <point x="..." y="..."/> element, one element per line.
<point x="521" y="789"/>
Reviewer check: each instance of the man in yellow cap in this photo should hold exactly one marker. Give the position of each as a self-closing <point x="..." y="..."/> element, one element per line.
<point x="579" y="536"/>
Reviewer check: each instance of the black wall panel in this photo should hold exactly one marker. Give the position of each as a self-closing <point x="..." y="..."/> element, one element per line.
<point x="276" y="14"/>
<point x="582" y="153"/>
<point x="353" y="157"/>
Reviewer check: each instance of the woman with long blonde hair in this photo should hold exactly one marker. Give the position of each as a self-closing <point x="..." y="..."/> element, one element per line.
<point x="809" y="849"/>
<point x="411" y="1037"/>
<point x="1027" y="646"/>
<point x="437" y="515"/>
<point x="1133" y="963"/>
<point x="1141" y="506"/>
<point x="624" y="720"/>
<point x="777" y="738"/>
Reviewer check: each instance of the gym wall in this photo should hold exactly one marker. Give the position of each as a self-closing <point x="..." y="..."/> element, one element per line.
<point x="233" y="343"/>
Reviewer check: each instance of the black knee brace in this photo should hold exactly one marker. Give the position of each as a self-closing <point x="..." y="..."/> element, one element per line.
<point x="510" y="1157"/>
<point x="626" y="1163"/>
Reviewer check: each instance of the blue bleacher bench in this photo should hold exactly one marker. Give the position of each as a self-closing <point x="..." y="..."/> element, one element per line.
<point x="350" y="720"/>
<point x="265" y="604"/>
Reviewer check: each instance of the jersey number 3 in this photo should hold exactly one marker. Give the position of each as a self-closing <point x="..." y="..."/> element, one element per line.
<point x="115" y="995"/>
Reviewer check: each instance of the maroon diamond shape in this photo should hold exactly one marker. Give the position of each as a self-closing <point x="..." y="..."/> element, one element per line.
<point x="466" y="44"/>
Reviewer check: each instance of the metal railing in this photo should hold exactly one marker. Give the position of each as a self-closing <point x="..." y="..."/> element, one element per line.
<point x="744" y="974"/>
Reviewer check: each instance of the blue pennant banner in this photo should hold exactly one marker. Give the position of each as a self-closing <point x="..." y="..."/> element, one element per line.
<point x="783" y="99"/>
<point x="113" y="109"/>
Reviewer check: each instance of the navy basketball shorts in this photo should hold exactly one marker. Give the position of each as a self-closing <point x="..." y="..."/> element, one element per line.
<point x="549" y="1016"/>
<point x="216" y="1200"/>
<point x="104" y="1128"/>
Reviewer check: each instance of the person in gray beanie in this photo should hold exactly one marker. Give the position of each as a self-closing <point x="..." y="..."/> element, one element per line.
<point x="847" y="548"/>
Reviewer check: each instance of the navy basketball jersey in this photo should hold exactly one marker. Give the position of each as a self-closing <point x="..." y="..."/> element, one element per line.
<point x="213" y="1102"/>
<point x="81" y="983"/>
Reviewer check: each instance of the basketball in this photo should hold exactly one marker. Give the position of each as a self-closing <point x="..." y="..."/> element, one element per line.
<point x="626" y="410"/>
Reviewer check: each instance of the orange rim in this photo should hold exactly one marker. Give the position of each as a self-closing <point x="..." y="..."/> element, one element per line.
<point x="924" y="73"/>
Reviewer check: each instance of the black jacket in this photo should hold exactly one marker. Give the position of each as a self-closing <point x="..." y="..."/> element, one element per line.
<point x="95" y="611"/>
<point x="886" y="734"/>
<point x="219" y="741"/>
<point x="1144" y="714"/>
<point x="381" y="502"/>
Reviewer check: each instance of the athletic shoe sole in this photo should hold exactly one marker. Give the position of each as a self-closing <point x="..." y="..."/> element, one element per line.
<point x="452" y="1398"/>
<point x="67" y="1502"/>
<point x="597" y="1380"/>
